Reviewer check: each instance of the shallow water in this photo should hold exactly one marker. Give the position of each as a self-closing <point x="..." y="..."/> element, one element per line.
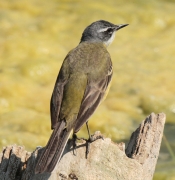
<point x="37" y="35"/>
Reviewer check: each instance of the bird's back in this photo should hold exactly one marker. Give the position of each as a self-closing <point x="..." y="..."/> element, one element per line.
<point x="87" y="65"/>
<point x="90" y="58"/>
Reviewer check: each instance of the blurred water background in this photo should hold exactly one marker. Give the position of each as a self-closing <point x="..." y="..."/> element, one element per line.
<point x="36" y="35"/>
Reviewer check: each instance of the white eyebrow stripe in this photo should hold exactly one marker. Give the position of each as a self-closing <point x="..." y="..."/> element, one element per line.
<point x="104" y="29"/>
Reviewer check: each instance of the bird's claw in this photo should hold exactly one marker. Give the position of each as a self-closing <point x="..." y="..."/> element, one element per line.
<point x="91" y="139"/>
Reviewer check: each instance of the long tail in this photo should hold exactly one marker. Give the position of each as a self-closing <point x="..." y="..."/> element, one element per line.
<point x="53" y="150"/>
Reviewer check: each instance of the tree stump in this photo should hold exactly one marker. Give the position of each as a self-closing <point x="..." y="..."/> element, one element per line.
<point x="106" y="160"/>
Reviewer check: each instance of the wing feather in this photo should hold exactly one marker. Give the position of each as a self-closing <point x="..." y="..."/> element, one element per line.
<point x="93" y="96"/>
<point x="57" y="95"/>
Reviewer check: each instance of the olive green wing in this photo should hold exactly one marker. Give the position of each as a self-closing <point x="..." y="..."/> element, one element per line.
<point x="67" y="95"/>
<point x="57" y="95"/>
<point x="94" y="94"/>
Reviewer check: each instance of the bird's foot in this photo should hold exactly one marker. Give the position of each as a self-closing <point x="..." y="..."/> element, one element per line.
<point x="75" y="138"/>
<point x="91" y="139"/>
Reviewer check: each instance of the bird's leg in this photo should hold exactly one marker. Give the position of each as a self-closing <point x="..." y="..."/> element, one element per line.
<point x="91" y="139"/>
<point x="75" y="138"/>
<point x="88" y="141"/>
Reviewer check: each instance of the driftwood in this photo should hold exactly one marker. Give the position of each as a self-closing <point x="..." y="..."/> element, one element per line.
<point x="106" y="160"/>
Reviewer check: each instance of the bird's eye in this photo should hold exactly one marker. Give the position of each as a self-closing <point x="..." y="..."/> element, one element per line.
<point x="109" y="30"/>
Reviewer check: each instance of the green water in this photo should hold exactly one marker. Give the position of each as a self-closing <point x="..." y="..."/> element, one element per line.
<point x="35" y="36"/>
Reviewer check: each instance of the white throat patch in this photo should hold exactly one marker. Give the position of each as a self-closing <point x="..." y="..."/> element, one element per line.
<point x="107" y="43"/>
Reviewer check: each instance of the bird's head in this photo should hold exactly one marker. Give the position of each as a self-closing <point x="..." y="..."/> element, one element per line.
<point x="101" y="31"/>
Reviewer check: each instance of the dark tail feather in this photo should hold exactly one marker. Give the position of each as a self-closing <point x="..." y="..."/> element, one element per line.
<point x="53" y="150"/>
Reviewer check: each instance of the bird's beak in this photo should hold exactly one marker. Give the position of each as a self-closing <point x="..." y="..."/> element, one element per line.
<point x="120" y="26"/>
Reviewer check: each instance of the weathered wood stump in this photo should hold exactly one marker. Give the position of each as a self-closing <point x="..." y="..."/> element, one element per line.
<point x="106" y="160"/>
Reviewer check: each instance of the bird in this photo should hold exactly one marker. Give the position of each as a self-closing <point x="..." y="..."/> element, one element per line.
<point x="82" y="84"/>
